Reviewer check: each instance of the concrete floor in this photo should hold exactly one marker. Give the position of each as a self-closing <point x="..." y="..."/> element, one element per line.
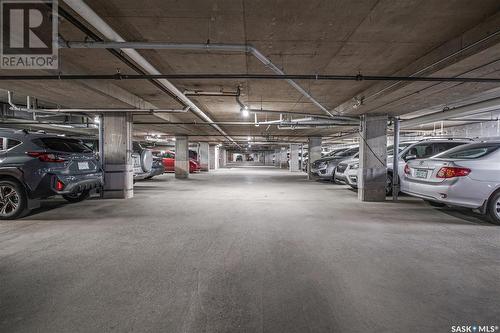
<point x="248" y="249"/>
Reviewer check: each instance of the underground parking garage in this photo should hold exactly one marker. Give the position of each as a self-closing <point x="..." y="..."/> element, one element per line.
<point x="256" y="166"/>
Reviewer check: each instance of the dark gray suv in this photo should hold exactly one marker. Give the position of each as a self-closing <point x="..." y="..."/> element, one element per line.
<point x="36" y="165"/>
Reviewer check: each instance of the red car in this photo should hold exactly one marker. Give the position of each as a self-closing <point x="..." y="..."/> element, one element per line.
<point x="169" y="161"/>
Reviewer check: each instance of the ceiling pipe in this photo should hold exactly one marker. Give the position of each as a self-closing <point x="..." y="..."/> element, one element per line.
<point x="461" y="111"/>
<point x="98" y="23"/>
<point x="243" y="76"/>
<point x="83" y="110"/>
<point x="186" y="109"/>
<point x="210" y="93"/>
<point x="244" y="123"/>
<point x="246" y="48"/>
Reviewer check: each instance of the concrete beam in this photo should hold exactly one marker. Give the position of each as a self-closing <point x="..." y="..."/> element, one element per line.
<point x="372" y="174"/>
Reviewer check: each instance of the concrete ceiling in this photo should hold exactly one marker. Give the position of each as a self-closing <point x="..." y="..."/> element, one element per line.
<point x="373" y="37"/>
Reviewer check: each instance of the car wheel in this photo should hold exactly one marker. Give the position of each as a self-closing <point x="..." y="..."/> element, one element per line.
<point x="435" y="204"/>
<point x="388" y="185"/>
<point x="494" y="208"/>
<point x="13" y="200"/>
<point x="77" y="197"/>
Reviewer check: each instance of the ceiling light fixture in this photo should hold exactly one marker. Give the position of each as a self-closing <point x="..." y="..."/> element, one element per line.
<point x="245" y="112"/>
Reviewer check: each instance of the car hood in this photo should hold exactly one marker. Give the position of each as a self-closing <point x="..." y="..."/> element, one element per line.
<point x="328" y="159"/>
<point x="351" y="161"/>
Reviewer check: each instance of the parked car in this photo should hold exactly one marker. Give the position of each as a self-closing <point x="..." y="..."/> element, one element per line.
<point x="325" y="167"/>
<point x="422" y="149"/>
<point x="157" y="168"/>
<point x="168" y="160"/>
<point x="466" y="176"/>
<point x="347" y="171"/>
<point x="37" y="165"/>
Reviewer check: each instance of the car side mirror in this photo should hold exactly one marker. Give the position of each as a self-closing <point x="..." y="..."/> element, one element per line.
<point x="410" y="157"/>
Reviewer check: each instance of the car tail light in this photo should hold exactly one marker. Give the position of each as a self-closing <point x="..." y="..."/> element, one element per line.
<point x="407" y="169"/>
<point x="59" y="185"/>
<point x="46" y="157"/>
<point x="452" y="172"/>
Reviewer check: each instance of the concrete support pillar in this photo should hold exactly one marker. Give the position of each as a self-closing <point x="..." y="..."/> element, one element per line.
<point x="213" y="157"/>
<point x="372" y="174"/>
<point x="116" y="152"/>
<point x="268" y="158"/>
<point x="181" y="157"/>
<point x="314" y="153"/>
<point x="204" y="156"/>
<point x="284" y="159"/>
<point x="294" y="157"/>
<point x="277" y="158"/>
<point x="222" y="158"/>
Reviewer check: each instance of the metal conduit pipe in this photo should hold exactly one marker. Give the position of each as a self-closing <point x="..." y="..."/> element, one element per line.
<point x="186" y="109"/>
<point x="98" y="23"/>
<point x="335" y="117"/>
<point x="461" y="111"/>
<point x="190" y="46"/>
<point x="66" y="111"/>
<point x="244" y="76"/>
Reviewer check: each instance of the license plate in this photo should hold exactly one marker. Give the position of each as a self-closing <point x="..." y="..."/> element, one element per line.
<point x="83" y="165"/>
<point x="421" y="173"/>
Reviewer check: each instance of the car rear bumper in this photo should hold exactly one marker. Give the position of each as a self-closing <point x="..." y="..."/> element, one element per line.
<point x="462" y="192"/>
<point x="78" y="183"/>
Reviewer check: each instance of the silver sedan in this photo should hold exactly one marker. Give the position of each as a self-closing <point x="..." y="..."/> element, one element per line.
<point x="466" y="176"/>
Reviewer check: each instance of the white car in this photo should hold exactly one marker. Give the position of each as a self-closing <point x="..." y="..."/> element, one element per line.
<point x="466" y="176"/>
<point x="347" y="171"/>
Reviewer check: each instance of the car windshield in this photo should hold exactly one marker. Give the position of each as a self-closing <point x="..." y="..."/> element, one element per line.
<point x="63" y="144"/>
<point x="402" y="145"/>
<point x="470" y="152"/>
<point x="347" y="152"/>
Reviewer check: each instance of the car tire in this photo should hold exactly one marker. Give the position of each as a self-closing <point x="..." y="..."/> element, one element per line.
<point x="77" y="197"/>
<point x="13" y="200"/>
<point x="146" y="160"/>
<point x="435" y="204"/>
<point x="494" y="208"/>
